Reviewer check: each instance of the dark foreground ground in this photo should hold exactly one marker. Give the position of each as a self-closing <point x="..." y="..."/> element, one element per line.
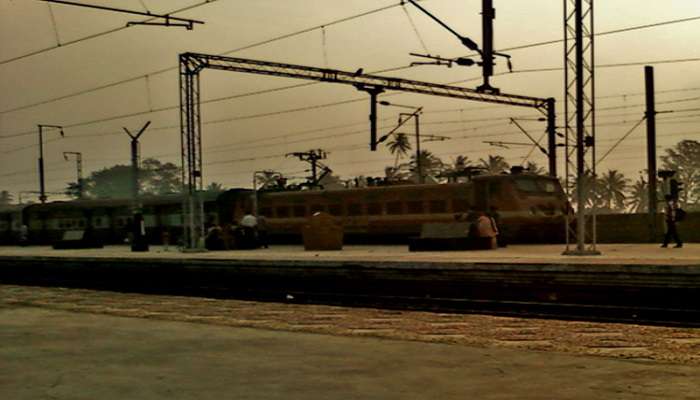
<point x="80" y="344"/>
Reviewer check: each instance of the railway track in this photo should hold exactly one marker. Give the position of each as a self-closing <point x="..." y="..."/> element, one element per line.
<point x="520" y="309"/>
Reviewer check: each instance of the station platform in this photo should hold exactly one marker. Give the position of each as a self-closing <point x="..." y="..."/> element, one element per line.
<point x="640" y="281"/>
<point x="612" y="254"/>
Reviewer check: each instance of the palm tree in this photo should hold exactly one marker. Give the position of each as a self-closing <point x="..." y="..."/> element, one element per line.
<point x="638" y="200"/>
<point x="612" y="188"/>
<point x="684" y="158"/>
<point x="533" y="168"/>
<point x="399" y="146"/>
<point x="494" y="165"/>
<point x="589" y="188"/>
<point x="457" y="169"/>
<point x="215" y="187"/>
<point x="430" y="164"/>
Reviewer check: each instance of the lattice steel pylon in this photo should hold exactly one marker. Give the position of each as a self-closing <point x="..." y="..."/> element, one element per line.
<point x="191" y="152"/>
<point x="579" y="109"/>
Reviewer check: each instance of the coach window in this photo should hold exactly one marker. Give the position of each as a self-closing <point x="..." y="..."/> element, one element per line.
<point x="354" y="209"/>
<point x="438" y="206"/>
<point x="282" y="212"/>
<point x="460" y="205"/>
<point x="299" y="211"/>
<point x="415" y="207"/>
<point x="317" y="208"/>
<point x="335" y="209"/>
<point x="526" y="185"/>
<point x="266" y="212"/>
<point x="374" y="208"/>
<point x="394" y="208"/>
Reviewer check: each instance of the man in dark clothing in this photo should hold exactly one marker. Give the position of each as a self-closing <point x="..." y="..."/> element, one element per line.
<point x="671" y="219"/>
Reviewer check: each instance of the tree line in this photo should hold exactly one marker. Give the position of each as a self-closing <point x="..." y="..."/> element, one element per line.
<point x="610" y="191"/>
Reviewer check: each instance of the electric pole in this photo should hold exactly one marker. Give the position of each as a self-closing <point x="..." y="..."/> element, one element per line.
<point x="651" y="149"/>
<point x="313" y="157"/>
<point x="140" y="242"/>
<point x="42" y="185"/>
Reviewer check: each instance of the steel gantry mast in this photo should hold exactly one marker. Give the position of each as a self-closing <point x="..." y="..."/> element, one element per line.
<point x="191" y="64"/>
<point x="579" y="110"/>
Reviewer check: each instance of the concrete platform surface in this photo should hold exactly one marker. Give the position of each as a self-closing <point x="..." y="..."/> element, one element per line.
<point x="619" y="254"/>
<point x="63" y="355"/>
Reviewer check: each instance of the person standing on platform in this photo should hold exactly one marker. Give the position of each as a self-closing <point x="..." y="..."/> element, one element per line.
<point x="671" y="219"/>
<point x="249" y="224"/>
<point x="487" y="229"/>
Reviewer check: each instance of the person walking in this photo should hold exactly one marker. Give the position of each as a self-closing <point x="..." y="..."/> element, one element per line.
<point x="671" y="219"/>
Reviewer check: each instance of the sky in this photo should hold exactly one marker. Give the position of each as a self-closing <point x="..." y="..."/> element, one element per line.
<point x="58" y="66"/>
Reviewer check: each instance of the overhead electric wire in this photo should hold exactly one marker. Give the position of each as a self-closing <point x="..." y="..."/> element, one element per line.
<point x="598" y="161"/>
<point x="246" y="47"/>
<point x="300" y="32"/>
<point x="99" y="34"/>
<point x="415" y="29"/>
<point x="604" y="33"/>
<point x="301" y="108"/>
<point x="53" y="23"/>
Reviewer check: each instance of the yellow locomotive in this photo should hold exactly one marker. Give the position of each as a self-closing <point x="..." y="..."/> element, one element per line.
<point x="530" y="208"/>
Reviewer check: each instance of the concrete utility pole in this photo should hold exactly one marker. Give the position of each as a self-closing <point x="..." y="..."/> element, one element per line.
<point x="419" y="163"/>
<point x="79" y="166"/>
<point x="651" y="149"/>
<point x="552" y="137"/>
<point x="140" y="242"/>
<point x="42" y="186"/>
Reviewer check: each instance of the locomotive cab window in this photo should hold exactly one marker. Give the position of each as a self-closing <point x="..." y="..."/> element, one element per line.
<point x="548" y="186"/>
<point x="526" y="185"/>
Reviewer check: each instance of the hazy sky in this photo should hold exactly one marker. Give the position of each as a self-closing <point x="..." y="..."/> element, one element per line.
<point x="246" y="141"/>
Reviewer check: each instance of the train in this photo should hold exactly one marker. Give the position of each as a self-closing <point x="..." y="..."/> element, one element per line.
<point x="530" y="209"/>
